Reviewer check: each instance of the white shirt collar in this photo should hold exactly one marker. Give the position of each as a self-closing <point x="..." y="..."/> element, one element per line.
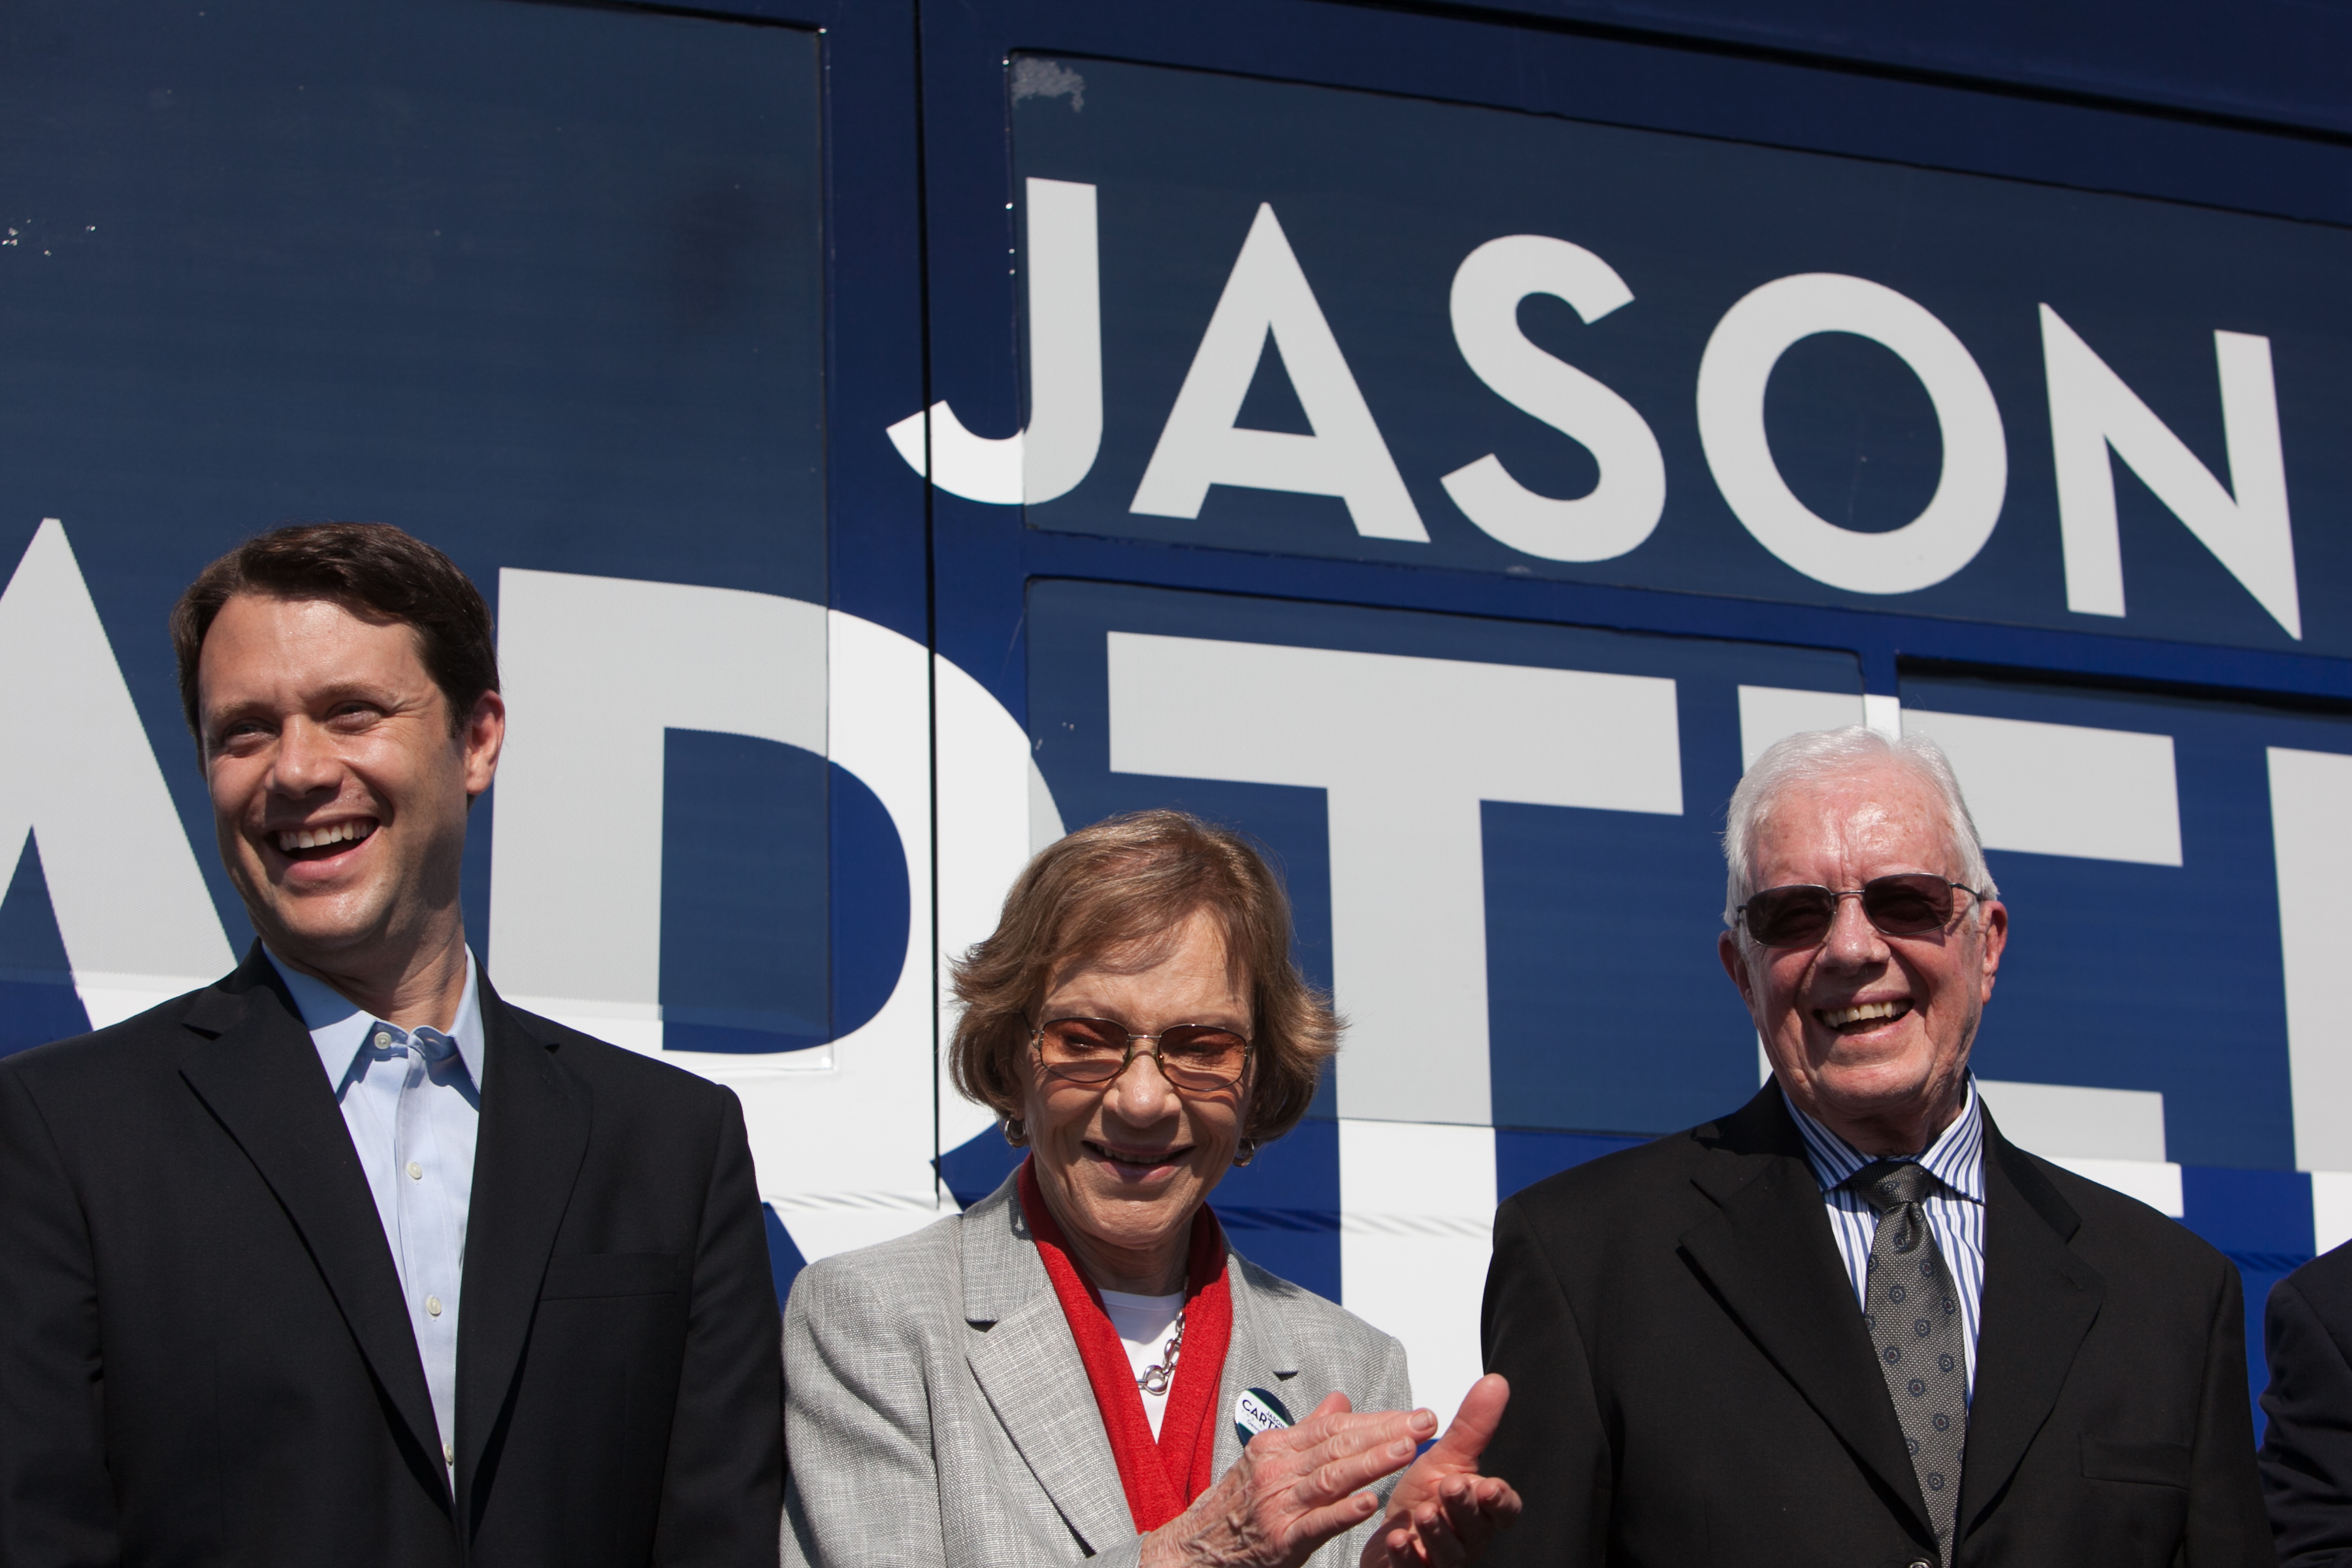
<point x="338" y="1027"/>
<point x="1956" y="1158"/>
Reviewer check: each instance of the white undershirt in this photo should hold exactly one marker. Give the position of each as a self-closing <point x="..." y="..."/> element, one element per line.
<point x="1144" y="1324"/>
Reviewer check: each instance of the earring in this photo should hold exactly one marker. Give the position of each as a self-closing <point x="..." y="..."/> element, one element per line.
<point x="1247" y="1151"/>
<point x="1014" y="1133"/>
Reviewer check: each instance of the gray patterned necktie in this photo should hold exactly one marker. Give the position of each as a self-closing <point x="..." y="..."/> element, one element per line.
<point x="1914" y="1320"/>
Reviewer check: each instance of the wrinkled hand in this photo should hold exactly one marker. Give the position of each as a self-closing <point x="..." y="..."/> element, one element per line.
<point x="1443" y="1512"/>
<point x="1292" y="1489"/>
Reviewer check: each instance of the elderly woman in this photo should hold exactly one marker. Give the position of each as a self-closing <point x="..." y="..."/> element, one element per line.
<point x="1080" y="1365"/>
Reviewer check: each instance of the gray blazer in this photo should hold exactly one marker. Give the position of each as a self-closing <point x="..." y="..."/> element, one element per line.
<point x="937" y="1412"/>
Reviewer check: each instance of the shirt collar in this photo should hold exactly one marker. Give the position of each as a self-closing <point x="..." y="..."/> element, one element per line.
<point x="339" y="1027"/>
<point x="1956" y="1158"/>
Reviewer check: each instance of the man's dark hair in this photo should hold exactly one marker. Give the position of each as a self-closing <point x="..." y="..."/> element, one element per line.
<point x="373" y="570"/>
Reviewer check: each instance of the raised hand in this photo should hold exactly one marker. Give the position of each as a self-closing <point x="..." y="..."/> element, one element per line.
<point x="1443" y="1512"/>
<point x="1293" y="1490"/>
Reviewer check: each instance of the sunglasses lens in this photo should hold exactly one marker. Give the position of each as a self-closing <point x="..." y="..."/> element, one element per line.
<point x="1195" y="1055"/>
<point x="1908" y="905"/>
<point x="1083" y="1050"/>
<point x="1790" y="917"/>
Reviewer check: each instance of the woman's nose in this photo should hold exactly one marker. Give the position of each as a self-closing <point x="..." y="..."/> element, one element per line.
<point x="1142" y="1093"/>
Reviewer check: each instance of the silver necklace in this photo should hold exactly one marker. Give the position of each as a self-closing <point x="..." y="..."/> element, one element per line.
<point x="1155" y="1379"/>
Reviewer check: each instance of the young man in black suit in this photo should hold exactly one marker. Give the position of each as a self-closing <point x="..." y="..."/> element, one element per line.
<point x="1850" y="1322"/>
<point x="342" y="1259"/>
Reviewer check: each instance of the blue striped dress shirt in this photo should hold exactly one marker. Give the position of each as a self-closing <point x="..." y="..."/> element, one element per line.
<point x="411" y="1102"/>
<point x="1956" y="1208"/>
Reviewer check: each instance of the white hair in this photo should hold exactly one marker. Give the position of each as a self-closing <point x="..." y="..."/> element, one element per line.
<point x="1821" y="756"/>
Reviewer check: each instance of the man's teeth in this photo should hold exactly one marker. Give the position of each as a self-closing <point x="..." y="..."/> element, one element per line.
<point x="333" y="833"/>
<point x="1838" y="1017"/>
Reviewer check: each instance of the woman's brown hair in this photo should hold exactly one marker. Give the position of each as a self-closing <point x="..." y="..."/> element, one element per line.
<point x="1121" y="886"/>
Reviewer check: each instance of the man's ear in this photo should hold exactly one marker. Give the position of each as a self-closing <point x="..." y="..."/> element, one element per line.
<point x="1735" y="964"/>
<point x="1993" y="933"/>
<point x="483" y="738"/>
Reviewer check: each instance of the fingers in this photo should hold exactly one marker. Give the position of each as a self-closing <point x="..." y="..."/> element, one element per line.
<point x="1318" y="1525"/>
<point x="1337" y="1453"/>
<point x="1453" y="1526"/>
<point x="1474" y="1424"/>
<point x="1351" y="1466"/>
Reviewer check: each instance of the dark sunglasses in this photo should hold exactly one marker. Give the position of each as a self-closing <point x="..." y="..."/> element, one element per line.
<point x="1801" y="915"/>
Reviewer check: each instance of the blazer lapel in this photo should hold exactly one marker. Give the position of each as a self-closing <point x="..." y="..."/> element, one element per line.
<point x="534" y="1132"/>
<point x="1770" y="1256"/>
<point x="2039" y="1300"/>
<point x="259" y="1075"/>
<point x="1026" y="1362"/>
<point x="1261" y="1356"/>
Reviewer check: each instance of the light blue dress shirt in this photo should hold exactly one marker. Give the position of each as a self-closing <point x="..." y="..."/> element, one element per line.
<point x="1955" y="1210"/>
<point x="412" y="1101"/>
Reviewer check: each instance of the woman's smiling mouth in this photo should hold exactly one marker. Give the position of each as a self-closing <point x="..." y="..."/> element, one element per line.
<point x="1138" y="1164"/>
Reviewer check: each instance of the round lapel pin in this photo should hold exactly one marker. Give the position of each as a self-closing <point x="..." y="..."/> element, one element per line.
<point x="1258" y="1410"/>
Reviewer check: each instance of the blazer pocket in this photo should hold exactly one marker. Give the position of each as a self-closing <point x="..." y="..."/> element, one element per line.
<point x="2153" y="1464"/>
<point x="572" y="1275"/>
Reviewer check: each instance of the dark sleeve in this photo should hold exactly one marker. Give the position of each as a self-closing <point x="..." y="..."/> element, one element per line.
<point x="722" y="1493"/>
<point x="56" y="1501"/>
<point x="2225" y="1497"/>
<point x="2306" y="1458"/>
<point x="1552" y="1444"/>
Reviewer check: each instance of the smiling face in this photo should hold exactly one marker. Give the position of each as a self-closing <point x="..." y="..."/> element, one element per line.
<point x="339" y="793"/>
<point x="1868" y="1033"/>
<point x="1125" y="1166"/>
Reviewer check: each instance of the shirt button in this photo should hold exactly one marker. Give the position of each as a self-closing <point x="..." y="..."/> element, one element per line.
<point x="382" y="1039"/>
<point x="415" y="1171"/>
<point x="449" y="1457"/>
<point x="431" y="1306"/>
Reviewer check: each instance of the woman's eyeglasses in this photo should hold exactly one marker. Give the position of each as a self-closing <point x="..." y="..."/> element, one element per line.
<point x="1196" y="1057"/>
<point x="1910" y="904"/>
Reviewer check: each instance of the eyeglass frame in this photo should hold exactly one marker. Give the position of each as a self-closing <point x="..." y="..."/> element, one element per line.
<point x="1037" y="1047"/>
<point x="1738" y="921"/>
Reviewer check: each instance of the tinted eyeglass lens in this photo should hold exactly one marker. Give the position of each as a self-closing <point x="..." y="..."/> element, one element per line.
<point x="1790" y="917"/>
<point x="1911" y="904"/>
<point x="1086" y="1050"/>
<point x="1907" y="905"/>
<point x="1092" y="1050"/>
<point x="1194" y="1055"/>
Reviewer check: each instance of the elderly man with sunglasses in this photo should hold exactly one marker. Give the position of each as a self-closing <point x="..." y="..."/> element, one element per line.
<point x="1849" y="1323"/>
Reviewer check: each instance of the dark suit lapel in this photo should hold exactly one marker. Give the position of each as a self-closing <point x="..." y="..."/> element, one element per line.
<point x="1770" y="1258"/>
<point x="533" y="1134"/>
<point x="2040" y="1299"/>
<point x="260" y="1076"/>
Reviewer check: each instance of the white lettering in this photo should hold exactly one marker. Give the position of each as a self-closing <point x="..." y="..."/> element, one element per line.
<point x="1750" y="341"/>
<point x="2311" y="842"/>
<point x="129" y="899"/>
<point x="2091" y="410"/>
<point x="1057" y="449"/>
<point x="596" y="670"/>
<point x="1267" y="295"/>
<point x="1624" y="506"/>
<point x="1405" y="749"/>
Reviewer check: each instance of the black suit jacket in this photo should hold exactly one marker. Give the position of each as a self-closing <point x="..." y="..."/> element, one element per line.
<point x="2306" y="1458"/>
<point x="1691" y="1382"/>
<point x="204" y="1355"/>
